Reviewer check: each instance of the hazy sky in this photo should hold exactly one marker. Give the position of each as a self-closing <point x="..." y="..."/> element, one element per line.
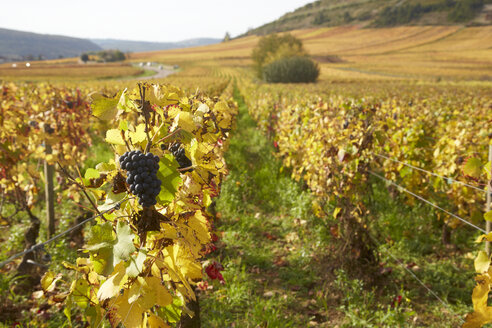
<point x="149" y="20"/>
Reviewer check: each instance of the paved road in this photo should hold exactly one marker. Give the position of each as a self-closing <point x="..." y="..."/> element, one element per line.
<point x="159" y="73"/>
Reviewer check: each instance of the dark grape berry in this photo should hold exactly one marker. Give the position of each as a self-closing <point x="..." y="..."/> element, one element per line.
<point x="180" y="156"/>
<point x="142" y="176"/>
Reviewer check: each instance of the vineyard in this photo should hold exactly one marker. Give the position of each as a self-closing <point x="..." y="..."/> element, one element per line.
<point x="210" y="198"/>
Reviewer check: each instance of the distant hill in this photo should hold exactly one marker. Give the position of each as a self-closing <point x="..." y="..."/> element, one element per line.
<point x="18" y="45"/>
<point x="142" y="46"/>
<point x="381" y="13"/>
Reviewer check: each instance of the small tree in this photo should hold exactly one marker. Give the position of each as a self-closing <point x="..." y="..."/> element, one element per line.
<point x="274" y="47"/>
<point x="84" y="58"/>
<point x="320" y="18"/>
<point x="347" y="18"/>
<point x="227" y="37"/>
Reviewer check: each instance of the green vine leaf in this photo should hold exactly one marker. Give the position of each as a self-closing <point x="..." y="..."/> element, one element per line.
<point x="111" y="200"/>
<point x="473" y="167"/>
<point x="124" y="242"/>
<point x="136" y="263"/>
<point x="102" y="261"/>
<point x="170" y="178"/>
<point x="105" y="108"/>
<point x="81" y="292"/>
<point x="91" y="173"/>
<point x="100" y="236"/>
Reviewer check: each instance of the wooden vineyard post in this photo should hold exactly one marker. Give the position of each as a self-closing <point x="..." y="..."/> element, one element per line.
<point x="50" y="195"/>
<point x="488" y="224"/>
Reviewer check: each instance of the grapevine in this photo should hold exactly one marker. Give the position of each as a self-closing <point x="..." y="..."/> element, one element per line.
<point x="145" y="255"/>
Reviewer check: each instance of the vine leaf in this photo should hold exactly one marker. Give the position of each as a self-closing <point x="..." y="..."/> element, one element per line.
<point x="176" y="265"/>
<point x="80" y="290"/>
<point x="105" y="108"/>
<point x="100" y="236"/>
<point x="482" y="313"/>
<point x="130" y="315"/>
<point x="125" y="103"/>
<point x="136" y="263"/>
<point x="154" y="293"/>
<point x="106" y="167"/>
<point x="148" y="292"/>
<point x="100" y="245"/>
<point x="113" y="136"/>
<point x="102" y="261"/>
<point x="111" y="200"/>
<point x="111" y="287"/>
<point x="473" y="167"/>
<point x="488" y="216"/>
<point x="124" y="242"/>
<point x="170" y="178"/>
<point x="199" y="224"/>
<point x="488" y="170"/>
<point x="224" y="109"/>
<point x="48" y="282"/>
<point x="336" y="212"/>
<point x="482" y="262"/>
<point x="91" y="174"/>
<point x="156" y="322"/>
<point x="173" y="310"/>
<point x="139" y="135"/>
<point x="184" y="120"/>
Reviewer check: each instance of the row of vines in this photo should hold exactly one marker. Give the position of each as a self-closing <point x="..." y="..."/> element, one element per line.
<point x="139" y="265"/>
<point x="336" y="139"/>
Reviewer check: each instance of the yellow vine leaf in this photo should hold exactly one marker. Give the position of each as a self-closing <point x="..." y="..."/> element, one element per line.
<point x="473" y="167"/>
<point x="156" y="322"/>
<point x="154" y="293"/>
<point x="487" y="237"/>
<point x="199" y="224"/>
<point x="130" y="315"/>
<point x="184" y="120"/>
<point x="48" y="282"/>
<point x="104" y="108"/>
<point x="111" y="287"/>
<point x="482" y="262"/>
<point x="488" y="216"/>
<point x="172" y="255"/>
<point x="139" y="135"/>
<point x="148" y="292"/>
<point x="482" y="314"/>
<point x="114" y="137"/>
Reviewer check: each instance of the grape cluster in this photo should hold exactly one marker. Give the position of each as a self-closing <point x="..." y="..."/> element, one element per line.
<point x="180" y="156"/>
<point x="142" y="175"/>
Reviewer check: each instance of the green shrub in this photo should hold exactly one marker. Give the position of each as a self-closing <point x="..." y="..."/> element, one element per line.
<point x="465" y="10"/>
<point x="273" y="47"/>
<point x="320" y="18"/>
<point x="295" y="69"/>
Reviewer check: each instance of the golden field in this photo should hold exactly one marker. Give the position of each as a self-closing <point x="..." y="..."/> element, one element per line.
<point x="67" y="70"/>
<point x="350" y="52"/>
<point x="345" y="53"/>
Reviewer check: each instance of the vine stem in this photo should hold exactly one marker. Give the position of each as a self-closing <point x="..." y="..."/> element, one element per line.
<point x="169" y="135"/>
<point x="146" y="116"/>
<point x="186" y="168"/>
<point x="79" y="186"/>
